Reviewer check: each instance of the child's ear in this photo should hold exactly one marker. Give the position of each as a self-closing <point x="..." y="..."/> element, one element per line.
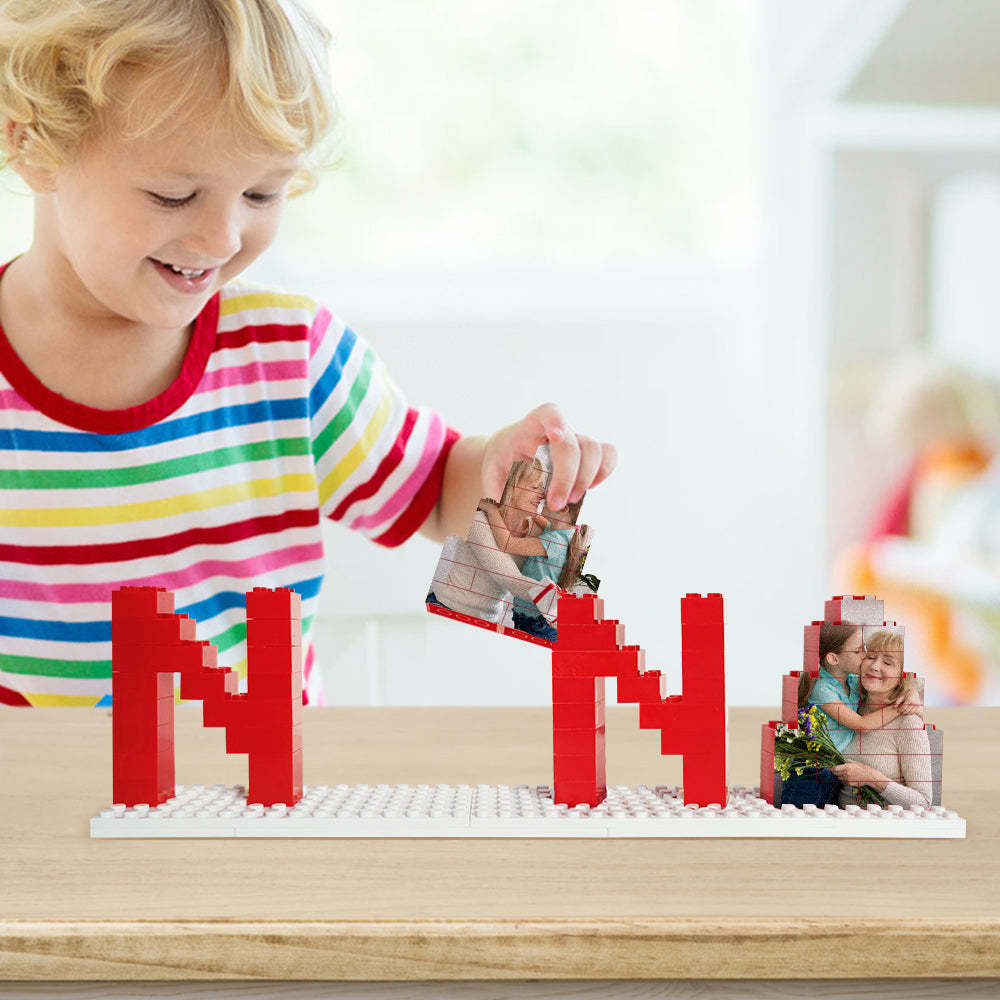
<point x="39" y="179"/>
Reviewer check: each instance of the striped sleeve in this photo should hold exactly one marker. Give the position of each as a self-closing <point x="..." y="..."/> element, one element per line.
<point x="379" y="463"/>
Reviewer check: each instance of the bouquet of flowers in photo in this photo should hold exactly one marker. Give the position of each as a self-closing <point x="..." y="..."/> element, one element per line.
<point x="810" y="746"/>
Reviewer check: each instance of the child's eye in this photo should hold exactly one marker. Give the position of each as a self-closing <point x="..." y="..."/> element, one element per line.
<point x="166" y="202"/>
<point x="261" y="198"/>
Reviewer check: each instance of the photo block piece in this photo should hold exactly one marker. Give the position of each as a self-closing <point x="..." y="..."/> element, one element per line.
<point x="506" y="574"/>
<point x="853" y="729"/>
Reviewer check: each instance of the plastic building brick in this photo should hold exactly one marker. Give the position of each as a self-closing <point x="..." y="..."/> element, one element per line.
<point x="150" y="642"/>
<point x="854" y="610"/>
<point x="460" y="616"/>
<point x="590" y="648"/>
<point x="507" y="811"/>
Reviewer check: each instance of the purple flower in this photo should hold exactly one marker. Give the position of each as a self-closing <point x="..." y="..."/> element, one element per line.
<point x="805" y="721"/>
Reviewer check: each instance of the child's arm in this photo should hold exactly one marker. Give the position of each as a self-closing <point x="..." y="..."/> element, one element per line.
<point x="477" y="467"/>
<point x="506" y="542"/>
<point x="846" y="716"/>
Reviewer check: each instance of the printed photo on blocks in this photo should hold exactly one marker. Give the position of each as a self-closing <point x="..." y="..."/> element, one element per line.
<point x="506" y="574"/>
<point x="859" y="735"/>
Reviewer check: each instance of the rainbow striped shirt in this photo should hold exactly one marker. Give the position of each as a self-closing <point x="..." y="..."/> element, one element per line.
<point x="279" y="415"/>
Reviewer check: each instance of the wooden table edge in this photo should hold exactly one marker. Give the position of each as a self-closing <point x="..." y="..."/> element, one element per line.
<point x="694" y="948"/>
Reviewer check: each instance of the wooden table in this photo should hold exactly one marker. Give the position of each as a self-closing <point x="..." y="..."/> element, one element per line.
<point x="72" y="908"/>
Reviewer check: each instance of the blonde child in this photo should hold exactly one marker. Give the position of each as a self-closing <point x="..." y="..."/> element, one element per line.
<point x="159" y="422"/>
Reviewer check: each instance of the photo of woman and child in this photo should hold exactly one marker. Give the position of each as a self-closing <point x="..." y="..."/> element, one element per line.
<point x="516" y="557"/>
<point x="873" y="714"/>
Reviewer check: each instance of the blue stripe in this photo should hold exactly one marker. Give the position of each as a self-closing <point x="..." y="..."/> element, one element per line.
<point x="32" y="628"/>
<point x="327" y="382"/>
<point x="265" y="411"/>
<point x="100" y="631"/>
<point x="228" y="599"/>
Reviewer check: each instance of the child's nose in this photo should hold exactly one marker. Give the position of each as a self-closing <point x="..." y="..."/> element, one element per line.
<point x="217" y="235"/>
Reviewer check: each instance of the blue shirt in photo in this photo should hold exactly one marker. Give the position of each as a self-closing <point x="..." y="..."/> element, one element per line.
<point x="826" y="689"/>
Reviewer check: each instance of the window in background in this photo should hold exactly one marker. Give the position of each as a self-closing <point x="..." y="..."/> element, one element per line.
<point x="528" y="134"/>
<point x="965" y="221"/>
<point x="525" y="133"/>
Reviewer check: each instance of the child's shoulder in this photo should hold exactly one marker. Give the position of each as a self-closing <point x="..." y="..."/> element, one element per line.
<point x="252" y="302"/>
<point x="827" y="689"/>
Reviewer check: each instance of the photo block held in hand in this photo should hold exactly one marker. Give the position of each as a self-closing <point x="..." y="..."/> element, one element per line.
<point x="507" y="573"/>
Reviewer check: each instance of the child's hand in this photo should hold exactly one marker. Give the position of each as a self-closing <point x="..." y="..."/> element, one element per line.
<point x="907" y="704"/>
<point x="578" y="462"/>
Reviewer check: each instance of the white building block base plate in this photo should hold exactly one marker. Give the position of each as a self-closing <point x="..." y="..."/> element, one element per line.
<point x="505" y="811"/>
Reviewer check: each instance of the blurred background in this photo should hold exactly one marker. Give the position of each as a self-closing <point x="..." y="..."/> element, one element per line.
<point x="749" y="241"/>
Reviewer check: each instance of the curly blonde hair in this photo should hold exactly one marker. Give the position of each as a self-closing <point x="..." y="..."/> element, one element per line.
<point x="62" y="63"/>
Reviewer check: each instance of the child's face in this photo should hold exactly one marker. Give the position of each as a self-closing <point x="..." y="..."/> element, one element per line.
<point x="109" y="231"/>
<point x="848" y="660"/>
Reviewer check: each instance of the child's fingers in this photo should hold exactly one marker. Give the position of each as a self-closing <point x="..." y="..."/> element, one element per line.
<point x="494" y="478"/>
<point x="520" y="441"/>
<point x="543" y="423"/>
<point x="578" y="462"/>
<point x="590" y="462"/>
<point x="609" y="459"/>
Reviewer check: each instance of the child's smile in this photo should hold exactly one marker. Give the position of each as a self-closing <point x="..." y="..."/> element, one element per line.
<point x="140" y="232"/>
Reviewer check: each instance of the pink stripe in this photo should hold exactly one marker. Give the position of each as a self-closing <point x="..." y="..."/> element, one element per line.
<point x="242" y="569"/>
<point x="318" y="329"/>
<point x="254" y="371"/>
<point x="10" y="400"/>
<point x="400" y="500"/>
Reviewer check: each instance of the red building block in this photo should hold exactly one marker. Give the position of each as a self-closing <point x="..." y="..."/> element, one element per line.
<point x="790" y="696"/>
<point x="586" y="610"/>
<point x="692" y="724"/>
<point x="150" y="643"/>
<point x="767" y="761"/>
<point x="605" y="635"/>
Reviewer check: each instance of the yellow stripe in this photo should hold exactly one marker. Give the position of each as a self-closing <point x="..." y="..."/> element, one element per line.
<point x="343" y="469"/>
<point x="264" y="300"/>
<point x="50" y="700"/>
<point x="148" y="510"/>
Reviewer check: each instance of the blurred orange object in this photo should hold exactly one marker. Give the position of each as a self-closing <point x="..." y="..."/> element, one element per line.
<point x="911" y="509"/>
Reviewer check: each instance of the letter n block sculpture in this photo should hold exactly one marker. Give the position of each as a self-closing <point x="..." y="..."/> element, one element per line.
<point x="588" y="649"/>
<point x="150" y="642"/>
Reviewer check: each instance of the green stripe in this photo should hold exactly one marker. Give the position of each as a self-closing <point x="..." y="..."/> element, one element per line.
<point x="46" y="667"/>
<point x="340" y="423"/>
<point x="51" y="479"/>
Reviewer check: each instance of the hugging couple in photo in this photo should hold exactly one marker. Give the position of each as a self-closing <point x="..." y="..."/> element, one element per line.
<point x="873" y="714"/>
<point x="517" y="556"/>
